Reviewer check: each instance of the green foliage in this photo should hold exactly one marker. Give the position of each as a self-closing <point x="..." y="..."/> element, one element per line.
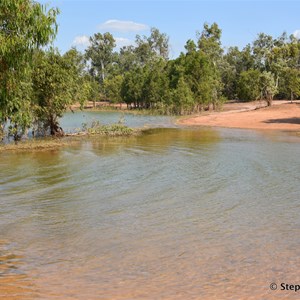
<point x="132" y="87"/>
<point x="268" y="87"/>
<point x="203" y="79"/>
<point x="112" y="87"/>
<point x="209" y="41"/>
<point x="108" y="130"/>
<point x="81" y="82"/>
<point x="234" y="62"/>
<point x="249" y="85"/>
<point x="156" y="86"/>
<point x="153" y="47"/>
<point x="190" y="46"/>
<point x="55" y="82"/>
<point x="291" y="83"/>
<point x="190" y="83"/>
<point x="36" y="87"/>
<point x="262" y="48"/>
<point x="25" y="25"/>
<point x="182" y="98"/>
<point x="100" y="54"/>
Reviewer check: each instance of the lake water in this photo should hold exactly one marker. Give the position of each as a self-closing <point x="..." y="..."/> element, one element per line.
<point x="175" y="213"/>
<point x="75" y="120"/>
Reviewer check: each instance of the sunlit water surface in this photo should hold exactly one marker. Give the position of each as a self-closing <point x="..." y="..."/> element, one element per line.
<point x="78" y="119"/>
<point x="173" y="214"/>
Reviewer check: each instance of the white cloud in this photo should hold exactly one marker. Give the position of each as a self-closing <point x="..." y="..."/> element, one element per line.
<point x="81" y="40"/>
<point x="121" y="42"/>
<point x="297" y="33"/>
<point x="123" y="26"/>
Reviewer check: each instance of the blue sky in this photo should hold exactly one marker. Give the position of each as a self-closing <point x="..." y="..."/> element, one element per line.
<point x="240" y="21"/>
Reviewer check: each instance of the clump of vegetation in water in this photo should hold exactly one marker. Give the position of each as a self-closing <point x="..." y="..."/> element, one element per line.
<point x="117" y="129"/>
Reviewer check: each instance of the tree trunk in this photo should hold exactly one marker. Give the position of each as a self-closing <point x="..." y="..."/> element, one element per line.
<point x="102" y="71"/>
<point x="269" y="100"/>
<point x="55" y="129"/>
<point x="16" y="135"/>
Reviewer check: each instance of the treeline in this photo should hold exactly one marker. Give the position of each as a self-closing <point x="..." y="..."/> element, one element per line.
<point x="38" y="84"/>
<point x="202" y="77"/>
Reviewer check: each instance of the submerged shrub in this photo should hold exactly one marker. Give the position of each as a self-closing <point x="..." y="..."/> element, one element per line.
<point x="109" y="130"/>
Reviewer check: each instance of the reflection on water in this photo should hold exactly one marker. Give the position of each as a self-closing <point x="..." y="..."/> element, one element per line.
<point x="171" y="214"/>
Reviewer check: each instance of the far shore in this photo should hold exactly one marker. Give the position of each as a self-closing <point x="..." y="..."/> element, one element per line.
<point x="100" y="105"/>
<point x="282" y="115"/>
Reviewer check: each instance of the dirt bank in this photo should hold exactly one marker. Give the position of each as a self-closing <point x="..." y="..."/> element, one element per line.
<point x="281" y="116"/>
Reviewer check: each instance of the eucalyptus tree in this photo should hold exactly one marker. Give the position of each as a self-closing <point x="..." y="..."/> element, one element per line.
<point x="127" y="59"/>
<point x="152" y="47"/>
<point x="100" y="54"/>
<point x="25" y="25"/>
<point x="268" y="87"/>
<point x="262" y="48"/>
<point x="159" y="43"/>
<point x="209" y="44"/>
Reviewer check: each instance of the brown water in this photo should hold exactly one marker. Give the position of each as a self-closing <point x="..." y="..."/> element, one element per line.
<point x="172" y="214"/>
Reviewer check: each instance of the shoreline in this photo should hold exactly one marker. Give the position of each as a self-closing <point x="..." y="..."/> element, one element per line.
<point x="54" y="143"/>
<point x="282" y="115"/>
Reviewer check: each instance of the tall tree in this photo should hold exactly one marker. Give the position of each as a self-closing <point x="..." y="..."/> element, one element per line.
<point x="152" y="47"/>
<point x="159" y="43"/>
<point x="262" y="48"/>
<point x="55" y="83"/>
<point x="25" y="25"/>
<point x="100" y="54"/>
<point x="268" y="87"/>
<point x="200" y="75"/>
<point x="209" y="42"/>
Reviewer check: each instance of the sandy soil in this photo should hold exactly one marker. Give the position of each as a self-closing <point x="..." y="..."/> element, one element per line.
<point x="283" y="115"/>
